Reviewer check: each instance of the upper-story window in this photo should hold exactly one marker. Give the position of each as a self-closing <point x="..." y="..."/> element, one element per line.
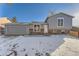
<point x="60" y="21"/>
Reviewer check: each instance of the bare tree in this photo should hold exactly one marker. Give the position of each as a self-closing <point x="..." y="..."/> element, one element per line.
<point x="14" y="20"/>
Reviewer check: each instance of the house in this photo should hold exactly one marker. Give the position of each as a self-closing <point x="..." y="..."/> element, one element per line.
<point x="59" y="23"/>
<point x="54" y="23"/>
<point x="3" y="21"/>
<point x="16" y="29"/>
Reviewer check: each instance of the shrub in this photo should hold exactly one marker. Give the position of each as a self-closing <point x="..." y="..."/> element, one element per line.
<point x="47" y="54"/>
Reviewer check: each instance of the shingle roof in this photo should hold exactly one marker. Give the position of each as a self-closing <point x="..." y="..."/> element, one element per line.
<point x="38" y="22"/>
<point x="3" y="21"/>
<point x="17" y="23"/>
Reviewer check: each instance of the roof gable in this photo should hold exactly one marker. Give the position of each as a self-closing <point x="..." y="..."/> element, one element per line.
<point x="58" y="14"/>
<point x="64" y="14"/>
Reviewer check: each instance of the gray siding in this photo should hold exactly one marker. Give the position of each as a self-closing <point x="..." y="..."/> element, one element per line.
<point x="16" y="30"/>
<point x="53" y="22"/>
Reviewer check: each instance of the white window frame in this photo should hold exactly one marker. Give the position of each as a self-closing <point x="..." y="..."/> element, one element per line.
<point x="60" y="18"/>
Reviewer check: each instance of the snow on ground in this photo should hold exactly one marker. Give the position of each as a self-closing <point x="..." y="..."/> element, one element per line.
<point x="37" y="45"/>
<point x="69" y="48"/>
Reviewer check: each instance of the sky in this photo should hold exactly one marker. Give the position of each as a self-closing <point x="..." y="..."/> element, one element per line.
<point x="27" y="12"/>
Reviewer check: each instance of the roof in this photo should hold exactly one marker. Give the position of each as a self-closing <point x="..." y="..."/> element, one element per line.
<point x="57" y="14"/>
<point x="3" y="21"/>
<point x="25" y="23"/>
<point x="35" y="22"/>
<point x="17" y="23"/>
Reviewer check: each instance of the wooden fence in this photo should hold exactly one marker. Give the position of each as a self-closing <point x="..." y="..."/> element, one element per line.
<point x="74" y="33"/>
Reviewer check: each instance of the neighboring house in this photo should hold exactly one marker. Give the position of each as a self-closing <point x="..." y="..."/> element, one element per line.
<point x="38" y="28"/>
<point x="59" y="23"/>
<point x="16" y="29"/>
<point x="3" y="21"/>
<point x="1" y="30"/>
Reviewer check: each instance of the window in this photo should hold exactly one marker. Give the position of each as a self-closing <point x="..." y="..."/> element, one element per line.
<point x="60" y="21"/>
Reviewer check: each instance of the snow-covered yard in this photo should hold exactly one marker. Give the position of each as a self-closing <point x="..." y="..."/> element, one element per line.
<point x="39" y="45"/>
<point x="69" y="48"/>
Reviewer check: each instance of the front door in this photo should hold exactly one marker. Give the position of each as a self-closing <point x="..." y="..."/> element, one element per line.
<point x="36" y="28"/>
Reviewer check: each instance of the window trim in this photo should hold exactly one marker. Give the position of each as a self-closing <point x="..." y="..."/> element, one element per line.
<point x="57" y="21"/>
